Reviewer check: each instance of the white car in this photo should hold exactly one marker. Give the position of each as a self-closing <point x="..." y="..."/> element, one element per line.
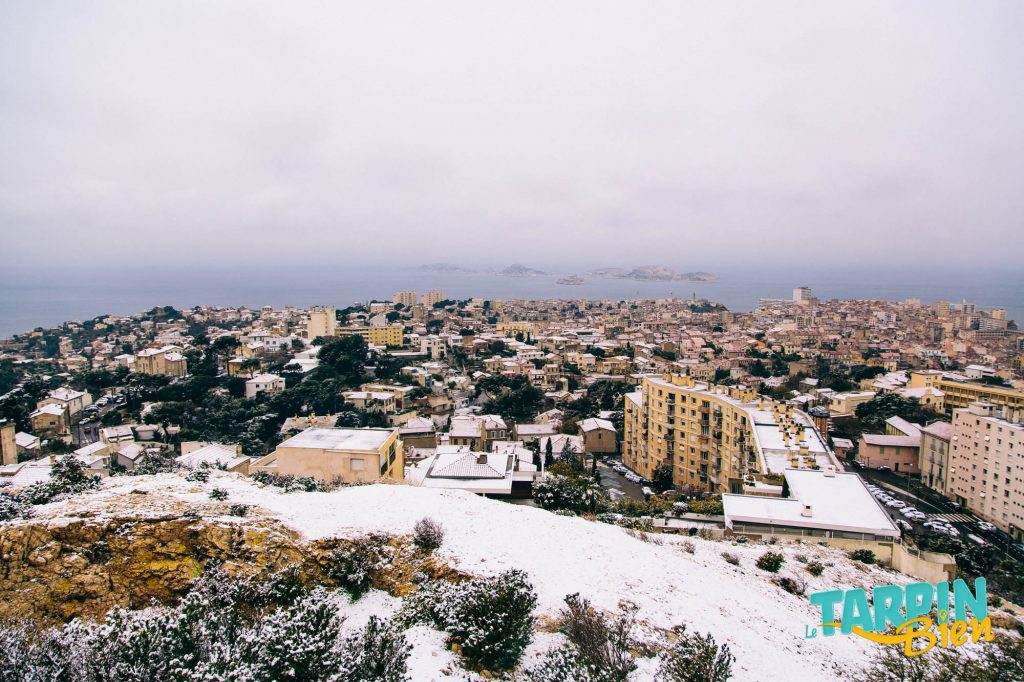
<point x="904" y="525"/>
<point x="896" y="504"/>
<point x="986" y="526"/>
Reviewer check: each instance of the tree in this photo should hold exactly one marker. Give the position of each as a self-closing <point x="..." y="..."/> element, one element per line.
<point x="346" y="356"/>
<point x="876" y="411"/>
<point x="661" y="479"/>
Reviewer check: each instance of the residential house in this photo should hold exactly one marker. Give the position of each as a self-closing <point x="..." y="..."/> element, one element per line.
<point x="346" y="455"/>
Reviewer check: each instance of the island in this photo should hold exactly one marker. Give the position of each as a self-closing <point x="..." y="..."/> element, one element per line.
<point x="653" y="273"/>
<point x="517" y="270"/>
<point x="571" y="280"/>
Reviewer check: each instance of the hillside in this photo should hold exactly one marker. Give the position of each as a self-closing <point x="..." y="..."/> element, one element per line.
<point x="739" y="605"/>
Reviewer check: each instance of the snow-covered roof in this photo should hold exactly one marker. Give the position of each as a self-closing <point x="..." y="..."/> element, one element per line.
<point x="211" y="455"/>
<point x="839" y="502"/>
<point x="339" y="439"/>
<point x="884" y="440"/>
<point x="593" y="424"/>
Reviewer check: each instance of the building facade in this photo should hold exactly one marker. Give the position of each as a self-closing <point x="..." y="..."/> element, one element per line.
<point x="391" y="335"/>
<point x="934" y="463"/>
<point x="322" y="322"/>
<point x="715" y="437"/>
<point x="345" y="455"/>
<point x="167" y="361"/>
<point x="986" y="464"/>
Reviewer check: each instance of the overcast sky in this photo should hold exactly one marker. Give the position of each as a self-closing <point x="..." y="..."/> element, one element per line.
<point x="693" y="134"/>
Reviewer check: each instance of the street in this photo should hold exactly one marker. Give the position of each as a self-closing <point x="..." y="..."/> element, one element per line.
<point x="938" y="507"/>
<point x="617" y="485"/>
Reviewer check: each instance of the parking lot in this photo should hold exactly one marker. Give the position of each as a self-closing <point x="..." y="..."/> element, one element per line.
<point x="616" y="483"/>
<point x="930" y="515"/>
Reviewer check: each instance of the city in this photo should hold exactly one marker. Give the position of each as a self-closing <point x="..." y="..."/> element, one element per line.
<point x="878" y="428"/>
<point x="574" y="341"/>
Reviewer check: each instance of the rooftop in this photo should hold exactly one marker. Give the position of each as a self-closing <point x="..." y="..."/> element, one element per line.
<point x="839" y="502"/>
<point x="339" y="439"/>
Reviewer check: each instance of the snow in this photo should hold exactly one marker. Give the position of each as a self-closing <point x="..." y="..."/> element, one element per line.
<point x="763" y="624"/>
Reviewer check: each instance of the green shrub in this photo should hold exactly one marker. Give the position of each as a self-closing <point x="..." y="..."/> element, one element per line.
<point x="865" y="556"/>
<point x="771" y="562"/>
<point x="695" y="658"/>
<point x="815" y="568"/>
<point x="238" y="509"/>
<point x="489" y="621"/>
<point x="218" y="494"/>
<point x="353" y="563"/>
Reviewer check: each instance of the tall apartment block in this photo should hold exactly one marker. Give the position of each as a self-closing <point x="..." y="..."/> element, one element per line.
<point x="718" y="438"/>
<point x="406" y="298"/>
<point x="433" y="296"/>
<point x="986" y="470"/>
<point x="322" y="322"/>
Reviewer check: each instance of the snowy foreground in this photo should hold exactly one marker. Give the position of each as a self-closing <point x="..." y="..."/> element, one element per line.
<point x="738" y="605"/>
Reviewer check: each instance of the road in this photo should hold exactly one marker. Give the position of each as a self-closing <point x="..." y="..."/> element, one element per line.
<point x="616" y="484"/>
<point x="937" y="507"/>
<point x="87" y="433"/>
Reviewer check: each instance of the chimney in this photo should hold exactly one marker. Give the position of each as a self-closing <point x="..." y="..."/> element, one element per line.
<point x="481" y="458"/>
<point x="807" y="510"/>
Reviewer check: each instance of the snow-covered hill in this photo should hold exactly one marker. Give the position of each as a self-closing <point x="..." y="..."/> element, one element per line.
<point x="763" y="624"/>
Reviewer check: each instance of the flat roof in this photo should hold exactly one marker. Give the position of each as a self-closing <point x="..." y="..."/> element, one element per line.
<point x="839" y="502"/>
<point x="339" y="439"/>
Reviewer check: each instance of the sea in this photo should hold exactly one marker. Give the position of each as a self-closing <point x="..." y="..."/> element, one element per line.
<point x="48" y="297"/>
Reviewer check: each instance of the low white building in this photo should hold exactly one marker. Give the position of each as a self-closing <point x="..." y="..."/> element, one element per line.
<point x="263" y="383"/>
<point x="508" y="472"/>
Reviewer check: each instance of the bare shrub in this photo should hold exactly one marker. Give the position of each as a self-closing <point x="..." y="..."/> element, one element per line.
<point x="428" y="533"/>
<point x="602" y="641"/>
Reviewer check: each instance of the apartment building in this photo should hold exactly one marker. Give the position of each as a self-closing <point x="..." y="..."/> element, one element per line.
<point x="405" y="298"/>
<point x="431" y="297"/>
<point x="934" y="462"/>
<point x="959" y="395"/>
<point x="167" y="361"/>
<point x="322" y="322"/>
<point x="716" y="437"/>
<point x="345" y="455"/>
<point x="391" y="335"/>
<point x="986" y="472"/>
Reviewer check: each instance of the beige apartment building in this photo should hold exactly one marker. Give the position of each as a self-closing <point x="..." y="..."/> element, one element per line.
<point x="345" y="455"/>
<point x="431" y="297"/>
<point x="392" y="335"/>
<point x="986" y="465"/>
<point x="322" y="322"/>
<point x="405" y="298"/>
<point x="960" y="394"/>
<point x="718" y="438"/>
<point x="167" y="361"/>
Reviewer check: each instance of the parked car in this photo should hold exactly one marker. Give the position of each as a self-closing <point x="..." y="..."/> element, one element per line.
<point x="986" y="526"/>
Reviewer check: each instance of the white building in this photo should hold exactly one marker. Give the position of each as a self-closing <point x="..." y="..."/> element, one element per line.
<point x="263" y="383"/>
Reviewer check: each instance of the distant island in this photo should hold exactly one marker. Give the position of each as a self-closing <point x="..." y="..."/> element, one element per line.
<point x="442" y="267"/>
<point x="570" y="280"/>
<point x="517" y="270"/>
<point x="653" y="273"/>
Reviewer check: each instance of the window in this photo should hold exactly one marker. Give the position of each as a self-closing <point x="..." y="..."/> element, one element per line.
<point x="358" y="464"/>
